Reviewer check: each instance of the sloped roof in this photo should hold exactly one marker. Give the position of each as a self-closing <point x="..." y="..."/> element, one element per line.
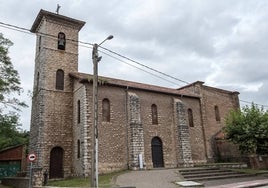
<point x="207" y="87"/>
<point x="87" y="78"/>
<point x="12" y="147"/>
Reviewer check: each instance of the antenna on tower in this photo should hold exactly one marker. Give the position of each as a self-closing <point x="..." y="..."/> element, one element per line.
<point x="58" y="8"/>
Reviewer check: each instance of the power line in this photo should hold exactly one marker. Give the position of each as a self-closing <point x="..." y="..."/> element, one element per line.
<point x="122" y="56"/>
<point x="122" y="61"/>
<point x="262" y="105"/>
<point x="14" y="26"/>
<point x="27" y="31"/>
<point x="155" y="75"/>
<point x="17" y="28"/>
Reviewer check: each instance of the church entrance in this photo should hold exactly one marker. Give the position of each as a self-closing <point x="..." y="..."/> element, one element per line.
<point x="56" y="163"/>
<point x="157" y="152"/>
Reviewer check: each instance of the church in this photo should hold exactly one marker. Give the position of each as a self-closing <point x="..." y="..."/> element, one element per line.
<point x="139" y="125"/>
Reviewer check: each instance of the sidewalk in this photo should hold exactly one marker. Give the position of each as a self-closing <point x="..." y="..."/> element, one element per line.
<point x="163" y="178"/>
<point x="237" y="182"/>
<point x="166" y="178"/>
<point x="244" y="184"/>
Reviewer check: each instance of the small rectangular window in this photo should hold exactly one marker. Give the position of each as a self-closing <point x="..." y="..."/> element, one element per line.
<point x="78" y="112"/>
<point x="190" y="117"/>
<point x="60" y="79"/>
<point x="154" y="114"/>
<point x="217" y="113"/>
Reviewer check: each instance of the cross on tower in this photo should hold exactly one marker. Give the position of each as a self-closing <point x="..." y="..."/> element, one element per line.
<point x="58" y="8"/>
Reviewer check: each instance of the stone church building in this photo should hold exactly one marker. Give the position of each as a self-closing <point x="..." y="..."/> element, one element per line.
<point x="158" y="126"/>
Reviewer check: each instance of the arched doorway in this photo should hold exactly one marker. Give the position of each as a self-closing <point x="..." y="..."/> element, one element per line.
<point x="157" y="152"/>
<point x="56" y="163"/>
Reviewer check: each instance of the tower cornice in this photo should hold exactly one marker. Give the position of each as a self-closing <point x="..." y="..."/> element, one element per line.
<point x="55" y="17"/>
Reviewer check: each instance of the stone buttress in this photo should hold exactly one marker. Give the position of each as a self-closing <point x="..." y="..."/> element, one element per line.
<point x="136" y="140"/>
<point x="184" y="144"/>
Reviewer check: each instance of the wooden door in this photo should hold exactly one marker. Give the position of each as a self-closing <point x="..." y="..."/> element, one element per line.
<point x="56" y="163"/>
<point x="157" y="153"/>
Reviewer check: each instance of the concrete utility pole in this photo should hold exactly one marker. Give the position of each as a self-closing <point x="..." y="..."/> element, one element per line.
<point x="94" y="159"/>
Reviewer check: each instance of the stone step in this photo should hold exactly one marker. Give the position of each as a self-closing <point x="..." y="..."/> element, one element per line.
<point x="218" y="177"/>
<point x="197" y="169"/>
<point x="210" y="174"/>
<point x="224" y="165"/>
<point x="202" y="171"/>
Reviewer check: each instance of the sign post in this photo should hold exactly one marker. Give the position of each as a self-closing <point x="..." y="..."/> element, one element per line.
<point x="31" y="158"/>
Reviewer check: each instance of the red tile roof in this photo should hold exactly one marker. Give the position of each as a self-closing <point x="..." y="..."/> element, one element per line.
<point x="87" y="78"/>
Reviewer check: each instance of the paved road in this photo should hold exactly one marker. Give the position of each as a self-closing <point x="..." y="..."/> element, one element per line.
<point x="213" y="183"/>
<point x="163" y="178"/>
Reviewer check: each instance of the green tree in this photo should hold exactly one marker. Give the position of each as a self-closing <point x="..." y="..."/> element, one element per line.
<point x="9" y="78"/>
<point x="9" y="104"/>
<point x="10" y="135"/>
<point x="248" y="128"/>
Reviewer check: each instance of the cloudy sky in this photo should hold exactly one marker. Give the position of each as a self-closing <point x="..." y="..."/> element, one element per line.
<point x="223" y="43"/>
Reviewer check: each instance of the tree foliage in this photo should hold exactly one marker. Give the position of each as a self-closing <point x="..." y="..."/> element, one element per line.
<point x="9" y="77"/>
<point x="248" y="128"/>
<point x="10" y="135"/>
<point x="10" y="87"/>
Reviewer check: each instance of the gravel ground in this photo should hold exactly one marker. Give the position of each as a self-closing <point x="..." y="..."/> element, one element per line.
<point x="163" y="178"/>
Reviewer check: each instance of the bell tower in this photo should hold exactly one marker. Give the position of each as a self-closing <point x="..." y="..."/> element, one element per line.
<point x="56" y="56"/>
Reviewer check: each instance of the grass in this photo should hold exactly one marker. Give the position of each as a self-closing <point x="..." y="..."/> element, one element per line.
<point x="105" y="181"/>
<point x="4" y="186"/>
<point x="250" y="171"/>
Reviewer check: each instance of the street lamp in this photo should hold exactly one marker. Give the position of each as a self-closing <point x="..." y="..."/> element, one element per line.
<point x="94" y="159"/>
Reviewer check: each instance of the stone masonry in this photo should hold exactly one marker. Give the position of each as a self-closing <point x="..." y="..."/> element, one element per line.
<point x="52" y="109"/>
<point x="185" y="153"/>
<point x="146" y="120"/>
<point x="136" y="145"/>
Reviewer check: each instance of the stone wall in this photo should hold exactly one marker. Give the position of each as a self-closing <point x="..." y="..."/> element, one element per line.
<point x="130" y="130"/>
<point x="227" y="151"/>
<point x="225" y="102"/>
<point x="52" y="110"/>
<point x="113" y="143"/>
<point x="164" y="129"/>
<point x="16" y="182"/>
<point x="81" y="132"/>
<point x="209" y="98"/>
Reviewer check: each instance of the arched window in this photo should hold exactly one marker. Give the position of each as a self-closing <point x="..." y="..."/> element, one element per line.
<point x="78" y="149"/>
<point x="61" y="41"/>
<point x="154" y="114"/>
<point x="106" y="110"/>
<point x="217" y="113"/>
<point x="78" y="112"/>
<point x="40" y="43"/>
<point x="60" y="79"/>
<point x="190" y="117"/>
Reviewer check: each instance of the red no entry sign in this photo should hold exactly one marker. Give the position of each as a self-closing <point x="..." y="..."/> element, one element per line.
<point x="31" y="157"/>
